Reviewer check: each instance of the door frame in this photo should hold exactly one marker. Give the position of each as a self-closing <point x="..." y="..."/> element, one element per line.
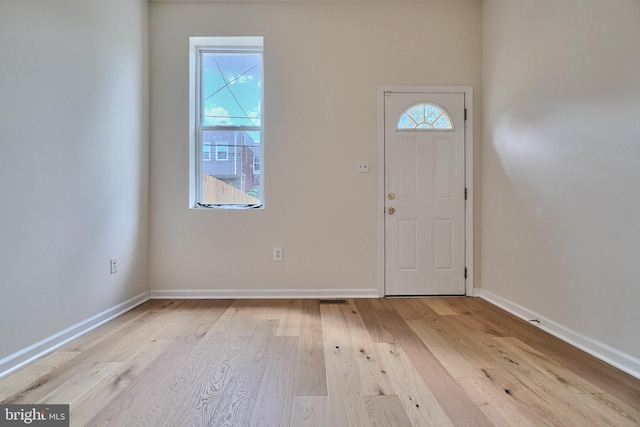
<point x="468" y="175"/>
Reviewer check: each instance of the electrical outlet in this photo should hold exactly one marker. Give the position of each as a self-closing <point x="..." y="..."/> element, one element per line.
<point x="362" y="166"/>
<point x="113" y="265"/>
<point x="277" y="253"/>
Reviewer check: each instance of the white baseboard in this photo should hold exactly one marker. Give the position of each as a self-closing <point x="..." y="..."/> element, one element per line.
<point x="39" y="349"/>
<point x="265" y="293"/>
<point x="623" y="361"/>
<point x="47" y="345"/>
<point x="614" y="357"/>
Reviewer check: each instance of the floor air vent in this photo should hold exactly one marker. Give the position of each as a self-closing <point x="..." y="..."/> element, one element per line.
<point x="332" y="301"/>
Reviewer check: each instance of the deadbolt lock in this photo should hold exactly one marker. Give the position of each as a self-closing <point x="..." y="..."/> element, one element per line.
<point x="391" y="196"/>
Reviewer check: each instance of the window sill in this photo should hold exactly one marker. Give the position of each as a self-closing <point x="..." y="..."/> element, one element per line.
<point x="227" y="206"/>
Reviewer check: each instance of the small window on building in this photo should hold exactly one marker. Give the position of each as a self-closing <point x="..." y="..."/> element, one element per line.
<point x="256" y="163"/>
<point x="222" y="151"/>
<point x="226" y="125"/>
<point x="425" y="116"/>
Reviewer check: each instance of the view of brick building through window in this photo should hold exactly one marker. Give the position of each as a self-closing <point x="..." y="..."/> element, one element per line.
<point x="230" y="158"/>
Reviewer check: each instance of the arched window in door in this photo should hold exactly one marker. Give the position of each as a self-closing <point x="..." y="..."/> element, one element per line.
<point x="425" y="116"/>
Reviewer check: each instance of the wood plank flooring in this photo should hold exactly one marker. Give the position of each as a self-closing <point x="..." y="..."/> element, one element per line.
<point x="369" y="362"/>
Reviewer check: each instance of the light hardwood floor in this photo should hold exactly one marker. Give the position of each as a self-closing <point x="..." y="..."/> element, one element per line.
<point x="370" y="362"/>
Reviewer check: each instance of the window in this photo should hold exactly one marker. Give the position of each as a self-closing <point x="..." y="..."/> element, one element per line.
<point x="226" y="125"/>
<point x="222" y="151"/>
<point x="425" y="116"/>
<point x="256" y="163"/>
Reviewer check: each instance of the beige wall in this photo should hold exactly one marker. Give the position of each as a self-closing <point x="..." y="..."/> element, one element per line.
<point x="73" y="163"/>
<point x="323" y="63"/>
<point x="560" y="198"/>
<point x="556" y="174"/>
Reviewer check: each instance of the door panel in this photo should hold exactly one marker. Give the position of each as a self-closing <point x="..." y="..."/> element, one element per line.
<point x="424" y="171"/>
<point x="443" y="245"/>
<point x="407" y="245"/>
<point x="407" y="174"/>
<point x="443" y="168"/>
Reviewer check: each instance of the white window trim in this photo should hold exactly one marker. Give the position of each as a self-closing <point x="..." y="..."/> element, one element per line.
<point x="222" y="148"/>
<point x="195" y="45"/>
<point x="444" y="112"/>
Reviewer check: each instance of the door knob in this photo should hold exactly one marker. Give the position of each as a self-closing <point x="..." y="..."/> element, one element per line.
<point x="391" y="211"/>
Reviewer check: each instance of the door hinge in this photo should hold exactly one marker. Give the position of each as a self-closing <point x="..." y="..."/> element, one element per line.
<point x="465" y="114"/>
<point x="465" y="194"/>
<point x="465" y="272"/>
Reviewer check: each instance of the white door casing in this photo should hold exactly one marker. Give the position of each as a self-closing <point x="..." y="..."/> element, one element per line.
<point x="425" y="220"/>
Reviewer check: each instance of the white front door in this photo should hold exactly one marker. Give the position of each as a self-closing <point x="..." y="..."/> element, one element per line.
<point x="424" y="149"/>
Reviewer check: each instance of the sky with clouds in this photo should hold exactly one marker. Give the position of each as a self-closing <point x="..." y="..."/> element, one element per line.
<point x="232" y="89"/>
